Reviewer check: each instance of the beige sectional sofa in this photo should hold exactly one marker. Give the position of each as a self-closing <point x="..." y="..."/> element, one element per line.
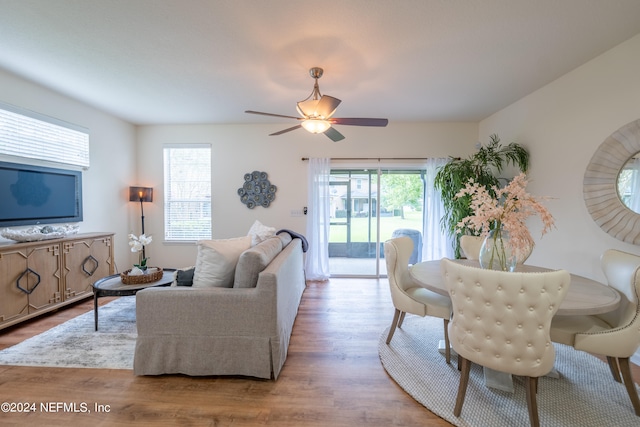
<point x="241" y="330"/>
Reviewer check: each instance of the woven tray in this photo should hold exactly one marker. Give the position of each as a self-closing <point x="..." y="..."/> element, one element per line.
<point x="142" y="278"/>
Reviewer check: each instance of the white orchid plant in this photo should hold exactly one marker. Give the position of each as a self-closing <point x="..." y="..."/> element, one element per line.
<point x="137" y="244"/>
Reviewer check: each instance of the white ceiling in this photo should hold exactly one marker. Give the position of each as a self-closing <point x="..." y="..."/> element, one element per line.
<point x="206" y="61"/>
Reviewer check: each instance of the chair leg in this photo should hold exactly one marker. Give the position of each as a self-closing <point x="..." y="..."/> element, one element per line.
<point x="462" y="387"/>
<point x="401" y="319"/>
<point x="531" y="385"/>
<point x="615" y="369"/>
<point x="394" y="322"/>
<point x="447" y="348"/>
<point x="625" y="369"/>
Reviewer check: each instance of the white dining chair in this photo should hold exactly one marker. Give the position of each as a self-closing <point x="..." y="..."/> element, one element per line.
<point x="470" y="246"/>
<point x="616" y="334"/>
<point x="407" y="295"/>
<point x="501" y="321"/>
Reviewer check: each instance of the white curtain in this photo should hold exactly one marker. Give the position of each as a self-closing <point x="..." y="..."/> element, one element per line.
<point x="435" y="243"/>
<point x="317" y="260"/>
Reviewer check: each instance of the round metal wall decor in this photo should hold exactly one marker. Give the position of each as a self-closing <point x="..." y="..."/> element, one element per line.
<point x="600" y="184"/>
<point x="257" y="190"/>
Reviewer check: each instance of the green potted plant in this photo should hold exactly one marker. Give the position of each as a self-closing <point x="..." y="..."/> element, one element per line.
<point x="483" y="167"/>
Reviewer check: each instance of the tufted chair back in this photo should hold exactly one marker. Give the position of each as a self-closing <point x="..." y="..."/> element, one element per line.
<point x="501" y="320"/>
<point x="470" y="246"/>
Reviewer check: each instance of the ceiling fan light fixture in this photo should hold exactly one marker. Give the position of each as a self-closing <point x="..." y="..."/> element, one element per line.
<point x="316" y="125"/>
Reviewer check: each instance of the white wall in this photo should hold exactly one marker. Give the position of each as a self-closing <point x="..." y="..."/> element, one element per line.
<point x="562" y="125"/>
<point x="112" y="155"/>
<point x="237" y="149"/>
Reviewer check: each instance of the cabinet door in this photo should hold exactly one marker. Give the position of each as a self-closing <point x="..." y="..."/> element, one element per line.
<point x="14" y="303"/>
<point x="86" y="261"/>
<point x="44" y="277"/>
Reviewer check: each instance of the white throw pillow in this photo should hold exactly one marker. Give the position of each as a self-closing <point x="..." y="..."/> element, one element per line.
<point x="216" y="261"/>
<point x="260" y="232"/>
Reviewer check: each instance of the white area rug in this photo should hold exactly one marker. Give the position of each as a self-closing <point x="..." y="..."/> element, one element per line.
<point x="585" y="395"/>
<point x="75" y="343"/>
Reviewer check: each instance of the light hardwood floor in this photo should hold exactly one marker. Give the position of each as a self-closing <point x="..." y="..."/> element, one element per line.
<point x="332" y="376"/>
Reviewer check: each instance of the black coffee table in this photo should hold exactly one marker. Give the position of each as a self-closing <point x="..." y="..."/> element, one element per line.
<point x="112" y="286"/>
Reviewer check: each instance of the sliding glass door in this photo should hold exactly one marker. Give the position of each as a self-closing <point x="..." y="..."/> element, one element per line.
<point x="369" y="206"/>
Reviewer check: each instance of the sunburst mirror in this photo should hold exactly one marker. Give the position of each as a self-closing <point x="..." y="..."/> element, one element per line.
<point x="609" y="165"/>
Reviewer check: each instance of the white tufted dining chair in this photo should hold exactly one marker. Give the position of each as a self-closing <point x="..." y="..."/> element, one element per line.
<point x="501" y="321"/>
<point x="615" y="335"/>
<point x="409" y="297"/>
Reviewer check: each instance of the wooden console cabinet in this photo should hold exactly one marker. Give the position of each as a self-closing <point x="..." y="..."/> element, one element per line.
<point x="37" y="277"/>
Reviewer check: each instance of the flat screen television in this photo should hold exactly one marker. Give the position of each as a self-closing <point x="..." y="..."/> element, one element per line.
<point x="39" y="195"/>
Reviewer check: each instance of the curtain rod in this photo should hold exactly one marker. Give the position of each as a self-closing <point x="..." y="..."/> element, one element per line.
<point x="380" y="158"/>
<point x="374" y="158"/>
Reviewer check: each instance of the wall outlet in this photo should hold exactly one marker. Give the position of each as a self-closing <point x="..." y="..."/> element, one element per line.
<point x="296" y="212"/>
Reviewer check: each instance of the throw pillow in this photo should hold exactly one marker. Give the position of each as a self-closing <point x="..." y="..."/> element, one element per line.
<point x="260" y="232"/>
<point x="183" y="276"/>
<point x="216" y="261"/>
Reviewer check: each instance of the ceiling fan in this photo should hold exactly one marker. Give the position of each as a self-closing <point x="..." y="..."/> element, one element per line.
<point x="317" y="111"/>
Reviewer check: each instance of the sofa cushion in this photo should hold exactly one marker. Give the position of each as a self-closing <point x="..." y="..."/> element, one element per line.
<point x="254" y="260"/>
<point x="260" y="232"/>
<point x="216" y="261"/>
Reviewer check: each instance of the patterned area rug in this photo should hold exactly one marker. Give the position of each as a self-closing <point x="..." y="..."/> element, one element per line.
<point x="75" y="343"/>
<point x="584" y="395"/>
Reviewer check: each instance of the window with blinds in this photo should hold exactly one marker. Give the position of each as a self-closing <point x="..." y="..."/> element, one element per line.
<point x="31" y="135"/>
<point x="187" y="192"/>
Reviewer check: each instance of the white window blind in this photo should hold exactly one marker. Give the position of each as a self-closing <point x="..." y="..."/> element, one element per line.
<point x="31" y="135"/>
<point x="187" y="192"/>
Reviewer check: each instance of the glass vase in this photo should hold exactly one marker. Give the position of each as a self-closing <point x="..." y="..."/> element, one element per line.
<point x="496" y="252"/>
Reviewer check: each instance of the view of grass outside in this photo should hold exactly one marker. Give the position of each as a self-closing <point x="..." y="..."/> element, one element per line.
<point x="360" y="227"/>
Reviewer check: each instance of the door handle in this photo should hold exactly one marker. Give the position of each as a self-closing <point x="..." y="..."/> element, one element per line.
<point x="95" y="265"/>
<point x="26" y="274"/>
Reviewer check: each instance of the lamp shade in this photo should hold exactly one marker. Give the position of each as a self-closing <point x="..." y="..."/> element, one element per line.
<point x="140" y="194"/>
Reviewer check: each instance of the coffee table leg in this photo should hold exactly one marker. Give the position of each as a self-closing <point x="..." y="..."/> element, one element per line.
<point x="95" y="307"/>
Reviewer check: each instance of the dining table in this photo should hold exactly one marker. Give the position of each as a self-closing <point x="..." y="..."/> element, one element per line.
<point x="584" y="297"/>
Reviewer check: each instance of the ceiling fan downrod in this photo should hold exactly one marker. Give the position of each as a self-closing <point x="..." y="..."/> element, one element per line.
<point x="316" y="73"/>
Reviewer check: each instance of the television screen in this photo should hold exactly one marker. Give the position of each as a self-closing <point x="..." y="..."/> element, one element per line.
<point x="39" y="195"/>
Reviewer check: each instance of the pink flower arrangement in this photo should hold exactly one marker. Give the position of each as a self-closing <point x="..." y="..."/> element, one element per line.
<point x="510" y="209"/>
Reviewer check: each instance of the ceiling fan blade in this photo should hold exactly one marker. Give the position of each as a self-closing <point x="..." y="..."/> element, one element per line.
<point x="285" y="130"/>
<point x="360" y="121"/>
<point x="333" y="134"/>
<point x="271" y="114"/>
<point x="327" y="106"/>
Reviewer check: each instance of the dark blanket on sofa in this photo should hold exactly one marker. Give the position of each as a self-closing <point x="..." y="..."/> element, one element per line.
<point x="294" y="235"/>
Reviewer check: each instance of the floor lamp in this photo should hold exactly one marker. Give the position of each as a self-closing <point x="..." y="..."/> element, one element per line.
<point x="141" y="194"/>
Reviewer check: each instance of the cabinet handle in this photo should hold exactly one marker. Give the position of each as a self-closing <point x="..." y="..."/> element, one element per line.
<point x="95" y="265"/>
<point x="26" y="273"/>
